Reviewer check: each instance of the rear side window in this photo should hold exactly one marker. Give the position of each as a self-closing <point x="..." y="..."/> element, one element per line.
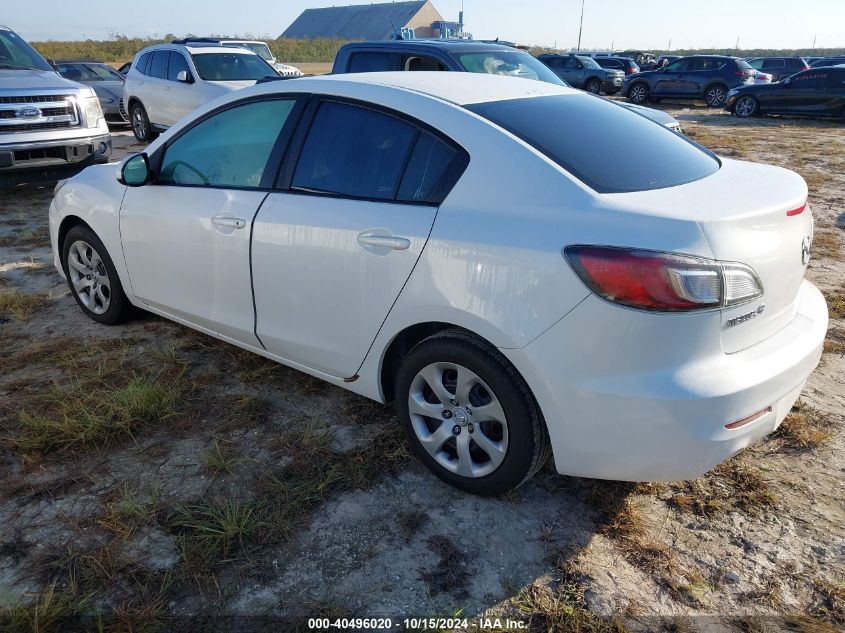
<point x="143" y="63"/>
<point x="158" y="65"/>
<point x="177" y="64"/>
<point x="354" y="151"/>
<point x="371" y="62"/>
<point x="771" y="64"/>
<point x="428" y="176"/>
<point x="580" y="133"/>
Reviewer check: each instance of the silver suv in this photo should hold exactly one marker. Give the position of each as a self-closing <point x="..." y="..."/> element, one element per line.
<point x="50" y="127"/>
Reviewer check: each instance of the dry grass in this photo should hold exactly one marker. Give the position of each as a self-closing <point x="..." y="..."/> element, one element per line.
<point x="731" y="486"/>
<point x="830" y="606"/>
<point x="834" y="343"/>
<point x="37" y="237"/>
<point x="835" y="304"/>
<point x="828" y="245"/>
<point x="20" y="305"/>
<point x="125" y="511"/>
<point x="733" y="145"/>
<point x="805" y="428"/>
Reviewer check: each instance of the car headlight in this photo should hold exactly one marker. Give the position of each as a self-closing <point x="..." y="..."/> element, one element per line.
<point x="93" y="111"/>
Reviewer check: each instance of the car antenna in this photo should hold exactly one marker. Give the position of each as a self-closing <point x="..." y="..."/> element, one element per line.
<point x="396" y="32"/>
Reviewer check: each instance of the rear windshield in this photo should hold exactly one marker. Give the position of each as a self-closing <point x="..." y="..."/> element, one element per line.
<point x="607" y="146"/>
<point x="259" y="48"/>
<point x="232" y="67"/>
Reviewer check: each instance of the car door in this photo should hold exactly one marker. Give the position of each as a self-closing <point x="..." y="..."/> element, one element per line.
<point x="334" y="245"/>
<point x="182" y="96"/>
<point x="186" y="237"/>
<point x="154" y="96"/>
<point x="668" y="80"/>
<point x="573" y="72"/>
<point x="806" y="93"/>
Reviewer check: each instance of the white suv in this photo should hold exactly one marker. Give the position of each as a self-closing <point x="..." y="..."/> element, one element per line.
<point x="167" y="81"/>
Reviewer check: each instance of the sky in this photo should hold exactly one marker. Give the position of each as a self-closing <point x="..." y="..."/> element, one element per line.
<point x="643" y="24"/>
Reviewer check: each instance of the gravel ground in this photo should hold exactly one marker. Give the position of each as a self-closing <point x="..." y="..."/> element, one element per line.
<point x="155" y="479"/>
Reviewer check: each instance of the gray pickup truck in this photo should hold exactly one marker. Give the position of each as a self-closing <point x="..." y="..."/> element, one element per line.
<point x="50" y="127"/>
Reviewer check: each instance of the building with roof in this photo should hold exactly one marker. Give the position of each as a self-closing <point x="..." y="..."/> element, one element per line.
<point x="367" y="21"/>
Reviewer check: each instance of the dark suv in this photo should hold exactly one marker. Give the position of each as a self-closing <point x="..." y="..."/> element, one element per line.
<point x="585" y="73"/>
<point x="625" y="64"/>
<point x="704" y="77"/>
<point x="778" y="67"/>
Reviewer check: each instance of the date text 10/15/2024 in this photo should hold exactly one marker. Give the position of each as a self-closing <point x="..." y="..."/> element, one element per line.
<point x="415" y="624"/>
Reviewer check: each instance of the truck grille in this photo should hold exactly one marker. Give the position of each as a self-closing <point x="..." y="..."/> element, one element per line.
<point x="37" y="112"/>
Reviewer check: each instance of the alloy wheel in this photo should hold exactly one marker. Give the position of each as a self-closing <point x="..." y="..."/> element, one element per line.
<point x="139" y="124"/>
<point x="594" y="87"/>
<point x="638" y="93"/>
<point x="458" y="419"/>
<point x="88" y="275"/>
<point x="745" y="107"/>
<point x="715" y="96"/>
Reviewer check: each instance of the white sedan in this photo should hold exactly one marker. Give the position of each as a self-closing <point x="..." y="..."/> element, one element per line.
<point x="522" y="267"/>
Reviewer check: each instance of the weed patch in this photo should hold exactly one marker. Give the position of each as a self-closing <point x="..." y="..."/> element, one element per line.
<point x="20" y="305"/>
<point x="805" y="428"/>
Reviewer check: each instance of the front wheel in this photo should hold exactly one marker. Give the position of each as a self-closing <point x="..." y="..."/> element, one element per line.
<point x="594" y="86"/>
<point x="468" y="415"/>
<point x="745" y="107"/>
<point x="93" y="278"/>
<point x="638" y="93"/>
<point x="715" y="96"/>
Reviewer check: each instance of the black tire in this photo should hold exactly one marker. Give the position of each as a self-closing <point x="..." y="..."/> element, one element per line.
<point x="527" y="439"/>
<point x="593" y="86"/>
<point x="119" y="308"/>
<point x="715" y="96"/>
<point x="746" y="106"/>
<point x="140" y="122"/>
<point x="639" y="93"/>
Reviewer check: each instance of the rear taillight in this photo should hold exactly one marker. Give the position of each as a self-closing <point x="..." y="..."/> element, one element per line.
<point x="668" y="282"/>
<point x="797" y="210"/>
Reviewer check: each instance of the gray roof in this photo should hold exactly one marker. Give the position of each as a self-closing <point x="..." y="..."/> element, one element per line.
<point x="365" y="21"/>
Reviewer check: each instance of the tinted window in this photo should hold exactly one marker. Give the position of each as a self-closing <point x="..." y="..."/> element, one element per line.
<point x="426" y="178"/>
<point x="589" y="62"/>
<point x="554" y="62"/>
<point x="105" y="73"/>
<point x="705" y="63"/>
<point x="679" y="66"/>
<point x="420" y="63"/>
<point x="158" y="65"/>
<point x="143" y="62"/>
<point x="229" y="149"/>
<point x="771" y="64"/>
<point x="510" y="63"/>
<point x="353" y="151"/>
<point x="232" y="67"/>
<point x="757" y="64"/>
<point x="372" y="62"/>
<point x="609" y="63"/>
<point x="77" y="72"/>
<point x="177" y="64"/>
<point x="579" y="133"/>
<point x="573" y="64"/>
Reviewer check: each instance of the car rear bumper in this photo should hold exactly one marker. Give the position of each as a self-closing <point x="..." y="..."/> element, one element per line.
<point x="50" y="160"/>
<point x="668" y="421"/>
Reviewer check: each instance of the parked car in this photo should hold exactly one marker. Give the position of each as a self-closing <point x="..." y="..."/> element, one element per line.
<point x="828" y="61"/>
<point x="258" y="47"/>
<point x="778" y="67"/>
<point x="166" y="81"/>
<point x="641" y="58"/>
<point x="459" y="56"/>
<point x="762" y="78"/>
<point x="106" y="82"/>
<point x="584" y="73"/>
<point x="49" y="127"/>
<point x="626" y="65"/>
<point x="487" y="283"/>
<point x="814" y="92"/>
<point x="699" y="77"/>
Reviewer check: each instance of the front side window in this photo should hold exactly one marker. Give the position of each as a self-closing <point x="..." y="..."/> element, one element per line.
<point x="77" y="72"/>
<point x="177" y="64"/>
<point x="353" y="151"/>
<point x="510" y="63"/>
<point x="229" y="149"/>
<point x="105" y="73"/>
<point x="678" y="67"/>
<point x="232" y="67"/>
<point x="571" y="128"/>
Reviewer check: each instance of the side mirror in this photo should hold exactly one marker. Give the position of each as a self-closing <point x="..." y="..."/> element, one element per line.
<point x="51" y="62"/>
<point x="135" y="171"/>
<point x="184" y="77"/>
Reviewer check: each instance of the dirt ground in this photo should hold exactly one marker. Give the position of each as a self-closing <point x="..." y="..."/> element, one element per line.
<point x="154" y="479"/>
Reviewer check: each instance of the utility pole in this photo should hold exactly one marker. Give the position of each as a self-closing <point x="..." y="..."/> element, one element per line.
<point x="737" y="46"/>
<point x="815" y="37"/>
<point x="670" y="46"/>
<point x="581" y="28"/>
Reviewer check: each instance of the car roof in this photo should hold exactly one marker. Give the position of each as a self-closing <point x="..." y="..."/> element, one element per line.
<point x="457" y="88"/>
<point x="446" y="45"/>
<point x="200" y="48"/>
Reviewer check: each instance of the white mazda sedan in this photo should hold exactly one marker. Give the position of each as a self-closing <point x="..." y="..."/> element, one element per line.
<point x="524" y="268"/>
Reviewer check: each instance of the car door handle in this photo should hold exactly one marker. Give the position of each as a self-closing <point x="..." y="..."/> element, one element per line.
<point x="228" y="222"/>
<point x="384" y="241"/>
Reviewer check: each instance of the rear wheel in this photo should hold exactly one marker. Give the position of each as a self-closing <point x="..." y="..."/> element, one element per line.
<point x="594" y="86"/>
<point x="93" y="278"/>
<point x="746" y="106"/>
<point x="714" y="96"/>
<point x="639" y="93"/>
<point x="141" y="126"/>
<point x="468" y="415"/>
